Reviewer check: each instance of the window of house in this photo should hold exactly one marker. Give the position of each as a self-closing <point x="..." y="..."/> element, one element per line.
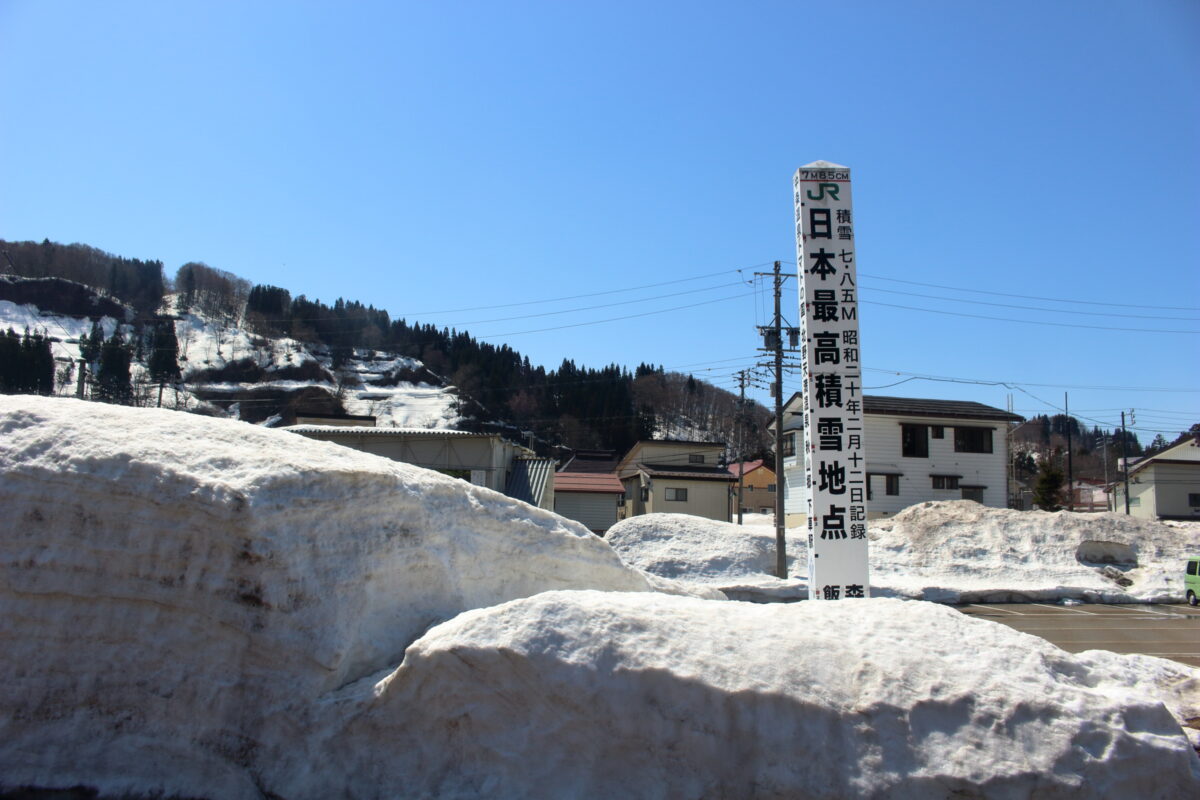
<point x="1135" y="501"/>
<point x="973" y="493"/>
<point x="914" y="441"/>
<point x="891" y="484"/>
<point x="789" y="445"/>
<point x="972" y="440"/>
<point x="679" y="495"/>
<point x="645" y="494"/>
<point x="937" y="432"/>
<point x="695" y="458"/>
<point x="945" y="481"/>
<point x="770" y="487"/>
<point x="1194" y="499"/>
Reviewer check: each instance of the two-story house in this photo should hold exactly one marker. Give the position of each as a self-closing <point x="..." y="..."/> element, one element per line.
<point x="915" y="450"/>
<point x="757" y="487"/>
<point x="676" y="477"/>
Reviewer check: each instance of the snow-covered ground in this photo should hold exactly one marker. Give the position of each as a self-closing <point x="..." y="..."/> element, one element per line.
<point x="737" y="560"/>
<point x="950" y="552"/>
<point x="961" y="551"/>
<point x="204" y="608"/>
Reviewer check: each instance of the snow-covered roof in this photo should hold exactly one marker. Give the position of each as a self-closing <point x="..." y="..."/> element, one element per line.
<point x="354" y="430"/>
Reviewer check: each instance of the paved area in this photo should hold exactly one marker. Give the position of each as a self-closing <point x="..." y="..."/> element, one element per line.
<point x="1167" y="631"/>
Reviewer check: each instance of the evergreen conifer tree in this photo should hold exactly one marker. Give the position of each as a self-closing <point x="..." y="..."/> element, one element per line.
<point x="113" y="383"/>
<point x="1048" y="488"/>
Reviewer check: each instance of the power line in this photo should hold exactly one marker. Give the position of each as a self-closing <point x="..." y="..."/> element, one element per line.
<point x="1027" y="308"/>
<point x="1026" y="321"/>
<point x="1027" y="296"/>
<point x="590" y="308"/>
<point x="612" y="319"/>
<point x="588" y="294"/>
<point x="1031" y="383"/>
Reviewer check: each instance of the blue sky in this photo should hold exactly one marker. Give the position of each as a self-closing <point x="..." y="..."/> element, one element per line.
<point x="453" y="162"/>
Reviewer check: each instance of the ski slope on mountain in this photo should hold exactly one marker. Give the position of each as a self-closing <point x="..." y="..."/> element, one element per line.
<point x="365" y="386"/>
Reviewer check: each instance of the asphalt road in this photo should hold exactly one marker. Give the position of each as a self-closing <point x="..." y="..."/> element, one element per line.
<point x="1167" y="631"/>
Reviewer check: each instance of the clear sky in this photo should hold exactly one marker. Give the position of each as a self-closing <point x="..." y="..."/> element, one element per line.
<point x="470" y="164"/>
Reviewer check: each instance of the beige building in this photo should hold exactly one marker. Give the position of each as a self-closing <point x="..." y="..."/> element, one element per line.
<point x="484" y="459"/>
<point x="757" y="492"/>
<point x="677" y="478"/>
<point x="1164" y="486"/>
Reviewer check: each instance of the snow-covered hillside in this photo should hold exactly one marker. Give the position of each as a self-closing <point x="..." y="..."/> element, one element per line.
<point x="204" y="608"/>
<point x="282" y="367"/>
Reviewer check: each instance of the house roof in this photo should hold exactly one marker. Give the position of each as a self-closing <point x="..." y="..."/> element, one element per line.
<point x="1176" y="454"/>
<point x="923" y="407"/>
<point x="598" y="482"/>
<point x="695" y="473"/>
<point x="745" y="467"/>
<point x="529" y="479"/>
<point x="591" y="461"/>
<point x="346" y="430"/>
<point x="919" y="407"/>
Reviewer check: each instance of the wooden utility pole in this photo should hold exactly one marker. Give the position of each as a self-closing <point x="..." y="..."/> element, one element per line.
<point x="773" y="343"/>
<point x="1125" y="460"/>
<point x="742" y="375"/>
<point x="1070" y="461"/>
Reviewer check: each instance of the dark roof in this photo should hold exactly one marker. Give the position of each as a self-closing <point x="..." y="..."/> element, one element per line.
<point x="697" y="473"/>
<point x="680" y="441"/>
<point x="923" y="407"/>
<point x="918" y="407"/>
<point x="592" y="461"/>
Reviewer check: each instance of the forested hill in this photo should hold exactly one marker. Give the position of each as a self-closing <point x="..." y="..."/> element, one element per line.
<point x="572" y="405"/>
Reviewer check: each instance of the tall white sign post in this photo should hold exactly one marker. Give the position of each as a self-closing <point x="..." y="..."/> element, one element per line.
<point x="835" y="467"/>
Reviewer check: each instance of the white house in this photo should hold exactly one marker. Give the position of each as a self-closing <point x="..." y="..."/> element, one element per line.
<point x="1164" y="486"/>
<point x="914" y="450"/>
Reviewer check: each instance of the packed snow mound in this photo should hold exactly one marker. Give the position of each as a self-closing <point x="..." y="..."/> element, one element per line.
<point x="173" y="586"/>
<point x="591" y="694"/>
<point x="737" y="559"/>
<point x="961" y="551"/>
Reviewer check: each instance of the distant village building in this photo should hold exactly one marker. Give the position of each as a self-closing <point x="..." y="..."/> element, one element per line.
<point x="484" y="459"/>
<point x="916" y="450"/>
<point x="758" y="488"/>
<point x="1165" y="485"/>
<point x="676" y="477"/>
<point x="587" y="490"/>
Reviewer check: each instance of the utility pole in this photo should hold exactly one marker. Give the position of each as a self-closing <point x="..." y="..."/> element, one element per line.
<point x="773" y="344"/>
<point x="1070" y="461"/>
<point x="1125" y="462"/>
<point x="742" y="376"/>
<point x="82" y="378"/>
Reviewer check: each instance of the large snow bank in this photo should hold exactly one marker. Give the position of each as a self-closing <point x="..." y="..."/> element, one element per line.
<point x="589" y="694"/>
<point x="172" y="586"/>
<point x="739" y="560"/>
<point x="960" y="551"/>
<point x="951" y="551"/>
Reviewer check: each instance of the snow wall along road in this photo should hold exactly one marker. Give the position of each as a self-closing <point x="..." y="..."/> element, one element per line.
<point x="202" y="608"/>
<point x="174" y="587"/>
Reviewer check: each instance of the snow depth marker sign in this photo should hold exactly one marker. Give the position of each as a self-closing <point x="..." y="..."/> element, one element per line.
<point x="835" y="469"/>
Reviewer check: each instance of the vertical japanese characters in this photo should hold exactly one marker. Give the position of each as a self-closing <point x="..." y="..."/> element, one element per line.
<point x="834" y="460"/>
